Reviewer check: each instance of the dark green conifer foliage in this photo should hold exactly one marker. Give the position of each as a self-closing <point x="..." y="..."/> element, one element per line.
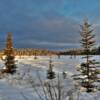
<point x="50" y="72"/>
<point x="88" y="68"/>
<point x="9" y="53"/>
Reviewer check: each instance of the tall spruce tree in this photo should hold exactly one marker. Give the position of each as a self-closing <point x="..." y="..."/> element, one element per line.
<point x="10" y="58"/>
<point x="88" y="68"/>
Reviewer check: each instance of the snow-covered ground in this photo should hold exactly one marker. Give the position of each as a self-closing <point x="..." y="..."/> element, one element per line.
<point x="17" y="86"/>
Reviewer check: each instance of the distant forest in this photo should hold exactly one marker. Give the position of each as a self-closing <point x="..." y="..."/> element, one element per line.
<point x="95" y="51"/>
<point x="29" y="52"/>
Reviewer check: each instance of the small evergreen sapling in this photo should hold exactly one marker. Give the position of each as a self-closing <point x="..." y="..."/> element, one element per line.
<point x="50" y="72"/>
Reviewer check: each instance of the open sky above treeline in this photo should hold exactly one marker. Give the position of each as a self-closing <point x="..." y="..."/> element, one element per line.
<point x="51" y="24"/>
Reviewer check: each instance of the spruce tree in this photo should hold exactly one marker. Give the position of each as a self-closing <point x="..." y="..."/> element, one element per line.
<point x="35" y="54"/>
<point x="9" y="53"/>
<point x="50" y="72"/>
<point x="88" y="68"/>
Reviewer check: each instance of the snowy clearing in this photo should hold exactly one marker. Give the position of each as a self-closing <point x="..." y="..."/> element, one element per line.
<point x="15" y="87"/>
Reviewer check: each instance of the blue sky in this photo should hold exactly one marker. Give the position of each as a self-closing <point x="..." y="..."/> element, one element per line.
<point x="52" y="24"/>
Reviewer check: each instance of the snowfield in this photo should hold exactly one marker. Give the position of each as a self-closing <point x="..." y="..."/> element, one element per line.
<point x="18" y="87"/>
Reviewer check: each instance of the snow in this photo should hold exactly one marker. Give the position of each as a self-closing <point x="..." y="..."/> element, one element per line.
<point x="17" y="86"/>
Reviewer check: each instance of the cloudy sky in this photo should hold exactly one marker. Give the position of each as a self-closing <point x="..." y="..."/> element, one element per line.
<point x="52" y="24"/>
